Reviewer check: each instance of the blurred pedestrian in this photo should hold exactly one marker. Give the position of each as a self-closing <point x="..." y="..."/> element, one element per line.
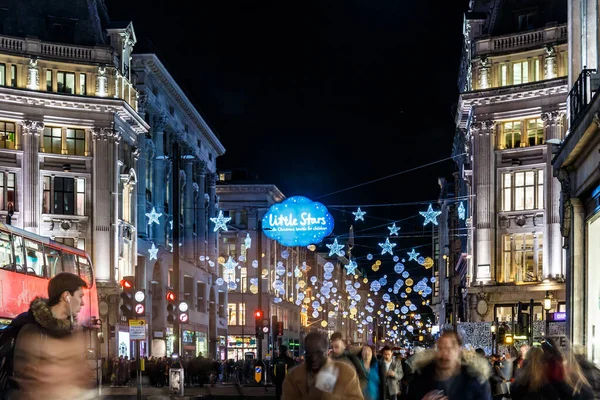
<point x="339" y="352"/>
<point x="281" y="366"/>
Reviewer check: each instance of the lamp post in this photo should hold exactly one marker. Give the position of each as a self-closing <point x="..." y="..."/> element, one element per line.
<point x="547" y="308"/>
<point x="493" y="331"/>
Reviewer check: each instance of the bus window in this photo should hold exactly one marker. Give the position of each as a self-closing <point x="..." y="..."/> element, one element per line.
<point x="19" y="253"/>
<point x="68" y="261"/>
<point x="6" y="258"/>
<point x="52" y="261"/>
<point x="35" y="258"/>
<point x="85" y="271"/>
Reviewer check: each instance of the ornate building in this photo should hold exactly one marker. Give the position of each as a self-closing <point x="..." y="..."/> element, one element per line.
<point x="174" y="119"/>
<point x="69" y="134"/>
<point x="513" y="85"/>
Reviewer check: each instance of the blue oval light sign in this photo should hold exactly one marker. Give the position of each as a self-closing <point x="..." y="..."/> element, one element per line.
<point x="297" y="221"/>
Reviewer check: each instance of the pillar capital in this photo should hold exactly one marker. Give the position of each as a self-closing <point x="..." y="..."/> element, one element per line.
<point x="106" y="133"/>
<point x="159" y="123"/>
<point x="483" y="127"/>
<point x="551" y="118"/>
<point x="31" y="127"/>
<point x="213" y="179"/>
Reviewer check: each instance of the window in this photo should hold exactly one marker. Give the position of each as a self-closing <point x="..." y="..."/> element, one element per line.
<point x="76" y="141"/>
<point x="53" y="139"/>
<point x="82" y="85"/>
<point x="534" y="131"/>
<point x="520" y="72"/>
<point x="511" y="135"/>
<point x="523" y="190"/>
<point x="526" y="21"/>
<point x="68" y="195"/>
<point x="515" y="134"/>
<point x="65" y="82"/>
<point x="7" y="135"/>
<point x="80" y="196"/>
<point x="244" y="279"/>
<point x="536" y="70"/>
<point x="46" y="197"/>
<point x="242" y="313"/>
<point x="35" y="258"/>
<point x="231" y="314"/>
<point x="7" y="190"/>
<point x="49" y="80"/>
<point x="503" y="75"/>
<point x="2" y="74"/>
<point x="13" y="75"/>
<point x="522" y="257"/>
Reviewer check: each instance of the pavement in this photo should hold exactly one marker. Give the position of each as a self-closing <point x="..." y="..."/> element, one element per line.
<point x="217" y="392"/>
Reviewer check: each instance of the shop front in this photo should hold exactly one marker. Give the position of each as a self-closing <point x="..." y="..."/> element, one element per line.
<point x="241" y="347"/>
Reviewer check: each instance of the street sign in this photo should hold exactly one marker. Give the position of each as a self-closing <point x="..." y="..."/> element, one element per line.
<point x="257" y="373"/>
<point x="137" y="329"/>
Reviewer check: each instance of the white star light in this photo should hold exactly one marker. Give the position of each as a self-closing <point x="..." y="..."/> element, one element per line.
<point x="153" y="216"/>
<point x="335" y="248"/>
<point x="430" y="216"/>
<point x="230" y="264"/>
<point x="387" y="247"/>
<point x="220" y="221"/>
<point x="351" y="267"/>
<point x="358" y="214"/>
<point x="248" y="241"/>
<point x="153" y="251"/>
<point x="461" y="211"/>
<point x="413" y="255"/>
<point x="393" y="229"/>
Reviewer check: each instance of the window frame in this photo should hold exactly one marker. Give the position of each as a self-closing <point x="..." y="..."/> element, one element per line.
<point x="50" y="82"/>
<point x="2" y="74"/>
<point x="64" y="82"/>
<point x="76" y="141"/>
<point x="535" y="253"/>
<point x="6" y="189"/>
<point x="50" y="192"/>
<point x="508" y="194"/>
<point x="6" y="133"/>
<point x="49" y="148"/>
<point x="83" y="83"/>
<point x="13" y="75"/>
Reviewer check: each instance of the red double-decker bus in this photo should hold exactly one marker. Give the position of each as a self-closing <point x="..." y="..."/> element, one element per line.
<point x="27" y="262"/>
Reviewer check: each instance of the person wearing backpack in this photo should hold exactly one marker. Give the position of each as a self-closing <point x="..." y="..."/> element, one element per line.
<point x="47" y="359"/>
<point x="282" y="365"/>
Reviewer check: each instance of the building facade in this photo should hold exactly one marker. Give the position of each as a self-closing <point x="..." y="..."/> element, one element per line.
<point x="576" y="165"/>
<point x="69" y="132"/>
<point x="192" y="177"/>
<point x="513" y="86"/>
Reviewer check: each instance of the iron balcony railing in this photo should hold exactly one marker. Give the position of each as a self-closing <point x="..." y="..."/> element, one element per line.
<point x="581" y="94"/>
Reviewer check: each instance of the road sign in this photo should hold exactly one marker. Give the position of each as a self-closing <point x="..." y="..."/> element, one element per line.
<point x="137" y="329"/>
<point x="257" y="373"/>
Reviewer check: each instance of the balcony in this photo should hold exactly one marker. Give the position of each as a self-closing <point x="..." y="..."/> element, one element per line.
<point x="520" y="41"/>
<point x="58" y="51"/>
<point x="581" y="94"/>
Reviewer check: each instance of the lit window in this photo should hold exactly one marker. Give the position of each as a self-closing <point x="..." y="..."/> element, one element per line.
<point x="2" y="74"/>
<point x="7" y="190"/>
<point x="522" y="256"/>
<point x="13" y="75"/>
<point x="503" y="74"/>
<point x="242" y="314"/>
<point x="231" y="314"/>
<point x="49" y="80"/>
<point x="65" y="82"/>
<point x="523" y="190"/>
<point x="7" y="135"/>
<point x="511" y="135"/>
<point x="520" y="72"/>
<point x="76" y="141"/>
<point x="535" y="131"/>
<point x="82" y="85"/>
<point x="53" y="139"/>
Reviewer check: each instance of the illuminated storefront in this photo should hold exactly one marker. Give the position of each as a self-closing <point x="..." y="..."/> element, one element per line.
<point x="238" y="347"/>
<point x="593" y="289"/>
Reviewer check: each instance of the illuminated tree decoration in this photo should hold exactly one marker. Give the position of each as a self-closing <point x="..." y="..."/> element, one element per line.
<point x="335" y="248"/>
<point x="430" y="216"/>
<point x="153" y="251"/>
<point x="220" y="222"/>
<point x="393" y="229"/>
<point x="387" y="247"/>
<point x="359" y="214"/>
<point x="461" y="211"/>
<point x="248" y="241"/>
<point x="412" y="255"/>
<point x="153" y="216"/>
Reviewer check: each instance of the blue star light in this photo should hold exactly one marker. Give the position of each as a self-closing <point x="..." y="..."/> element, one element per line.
<point x="335" y="248"/>
<point x="358" y="214"/>
<point x="461" y="211"/>
<point x="393" y="229"/>
<point x="248" y="241"/>
<point x="153" y="216"/>
<point x="430" y="216"/>
<point x="220" y="221"/>
<point x="412" y="255"/>
<point x="153" y="251"/>
<point x="387" y="247"/>
<point x="351" y="267"/>
<point x="230" y="264"/>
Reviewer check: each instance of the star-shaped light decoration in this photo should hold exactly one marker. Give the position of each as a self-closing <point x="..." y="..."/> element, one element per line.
<point x="335" y="248"/>
<point x="393" y="229"/>
<point x="412" y="255"/>
<point x="359" y="214"/>
<point x="230" y="264"/>
<point x="153" y="251"/>
<point x="248" y="241"/>
<point x="387" y="247"/>
<point x="220" y="221"/>
<point x="430" y="216"/>
<point x="461" y="211"/>
<point x="153" y="216"/>
<point x="351" y="267"/>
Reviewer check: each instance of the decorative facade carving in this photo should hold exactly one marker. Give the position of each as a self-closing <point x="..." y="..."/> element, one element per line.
<point x="160" y="121"/>
<point x="552" y="118"/>
<point x="101" y="82"/>
<point x="484" y="73"/>
<point x="30" y="127"/>
<point x="136" y="152"/>
<point x="33" y="74"/>
<point x="212" y="179"/>
<point x="106" y="134"/>
<point x="142" y="102"/>
<point x="550" y="63"/>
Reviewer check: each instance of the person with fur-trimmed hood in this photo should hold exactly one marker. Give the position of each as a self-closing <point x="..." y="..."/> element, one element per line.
<point x="448" y="374"/>
<point x="48" y="361"/>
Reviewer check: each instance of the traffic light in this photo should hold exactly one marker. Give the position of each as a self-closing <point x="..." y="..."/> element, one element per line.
<point x="171" y="306"/>
<point x="140" y="303"/>
<point x="266" y="326"/>
<point x="501" y="334"/>
<point x="128" y="286"/>
<point x="280" y="328"/>
<point x="184" y="315"/>
<point x="259" y="316"/>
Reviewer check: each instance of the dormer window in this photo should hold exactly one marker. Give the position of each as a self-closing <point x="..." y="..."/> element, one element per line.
<point x="526" y="21"/>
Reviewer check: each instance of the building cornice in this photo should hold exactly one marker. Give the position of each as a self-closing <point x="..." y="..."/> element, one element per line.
<point x="66" y="102"/>
<point x="159" y="71"/>
<point x="270" y="190"/>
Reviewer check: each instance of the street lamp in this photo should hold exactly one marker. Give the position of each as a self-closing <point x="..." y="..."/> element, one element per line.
<point x="493" y="331"/>
<point x="547" y="308"/>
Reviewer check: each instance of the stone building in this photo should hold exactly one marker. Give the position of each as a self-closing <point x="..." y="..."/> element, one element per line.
<point x="69" y="132"/>
<point x="174" y="119"/>
<point x="576" y="165"/>
<point x="513" y="86"/>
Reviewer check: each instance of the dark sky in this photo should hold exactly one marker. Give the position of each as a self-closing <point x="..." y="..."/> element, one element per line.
<point x="319" y="96"/>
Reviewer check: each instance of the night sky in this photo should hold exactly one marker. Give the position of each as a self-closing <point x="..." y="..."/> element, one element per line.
<point x="319" y="96"/>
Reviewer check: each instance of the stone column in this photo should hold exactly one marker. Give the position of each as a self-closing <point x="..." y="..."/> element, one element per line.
<point x="484" y="73"/>
<point x="159" y="185"/>
<point x="133" y="196"/>
<point x="550" y="63"/>
<point x="576" y="299"/>
<point x="484" y="168"/>
<point x="188" y="211"/>
<point x="201" y="210"/>
<point x="31" y="175"/>
<point x="212" y="212"/>
<point x="140" y="170"/>
<point x="552" y="256"/>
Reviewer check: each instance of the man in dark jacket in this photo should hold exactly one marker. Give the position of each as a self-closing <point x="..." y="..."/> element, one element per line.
<point x="443" y="374"/>
<point x="340" y="353"/>
<point x="282" y="364"/>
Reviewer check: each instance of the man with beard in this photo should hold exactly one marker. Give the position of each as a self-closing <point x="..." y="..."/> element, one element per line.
<point x="320" y="378"/>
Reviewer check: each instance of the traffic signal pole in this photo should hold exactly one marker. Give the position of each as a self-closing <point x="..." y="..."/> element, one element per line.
<point x="175" y="212"/>
<point x="259" y="342"/>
